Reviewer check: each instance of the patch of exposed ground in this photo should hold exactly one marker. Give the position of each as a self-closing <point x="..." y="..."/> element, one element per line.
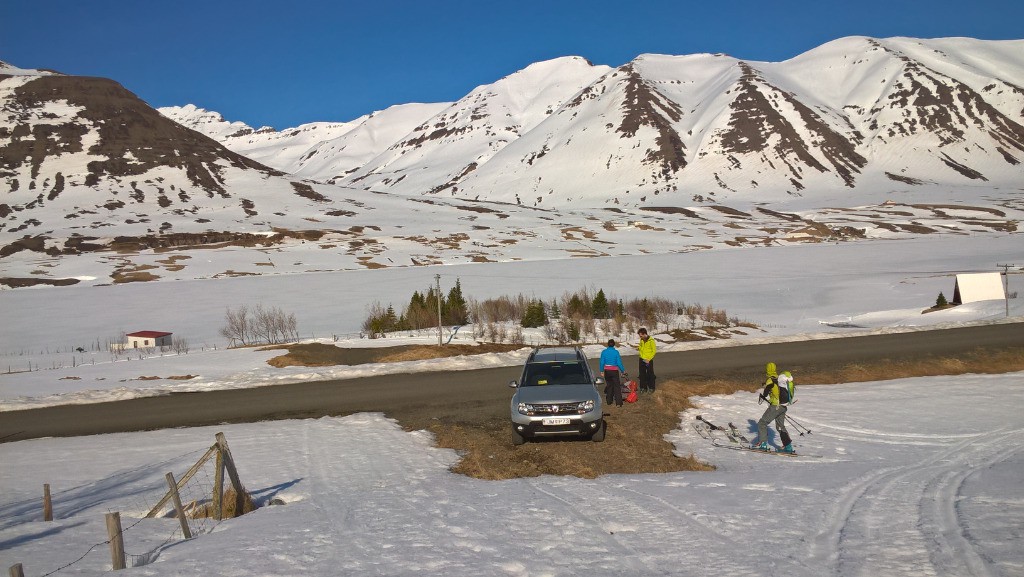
<point x="134" y="273"/>
<point x="324" y="355"/>
<point x="18" y="282"/>
<point x="170" y="263"/>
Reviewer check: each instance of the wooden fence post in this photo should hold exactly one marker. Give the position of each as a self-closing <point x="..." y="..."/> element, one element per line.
<point x="229" y="464"/>
<point x="176" y="499"/>
<point x="218" y="488"/>
<point x="116" y="541"/>
<point x="16" y="570"/>
<point x="181" y="483"/>
<point x="47" y="503"/>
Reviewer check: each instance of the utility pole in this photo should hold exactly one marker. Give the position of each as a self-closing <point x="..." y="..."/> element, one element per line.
<point x="1006" y="285"/>
<point x="437" y="280"/>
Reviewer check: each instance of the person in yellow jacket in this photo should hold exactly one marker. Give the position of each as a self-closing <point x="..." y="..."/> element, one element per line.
<point x="776" y="410"/>
<point x="647" y="349"/>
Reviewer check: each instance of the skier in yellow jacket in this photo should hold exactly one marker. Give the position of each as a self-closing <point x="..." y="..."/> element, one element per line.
<point x="647" y="349"/>
<point x="776" y="410"/>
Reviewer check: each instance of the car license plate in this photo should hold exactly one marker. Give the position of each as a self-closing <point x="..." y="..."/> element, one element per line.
<point x="555" y="421"/>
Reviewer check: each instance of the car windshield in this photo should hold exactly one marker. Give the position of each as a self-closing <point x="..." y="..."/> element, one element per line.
<point x="560" y="373"/>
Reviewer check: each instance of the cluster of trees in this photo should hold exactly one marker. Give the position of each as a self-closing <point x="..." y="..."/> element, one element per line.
<point x="570" y="318"/>
<point x="585" y="313"/>
<point x="420" y="313"/>
<point x="259" y="325"/>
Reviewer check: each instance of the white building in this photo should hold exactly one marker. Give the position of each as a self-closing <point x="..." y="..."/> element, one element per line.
<point x="974" y="287"/>
<point x="148" y="340"/>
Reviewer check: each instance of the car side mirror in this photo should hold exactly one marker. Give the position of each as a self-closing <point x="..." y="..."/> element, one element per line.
<point x="599" y="381"/>
<point x="513" y="384"/>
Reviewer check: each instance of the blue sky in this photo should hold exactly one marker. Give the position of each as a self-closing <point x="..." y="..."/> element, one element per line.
<point x="286" y="63"/>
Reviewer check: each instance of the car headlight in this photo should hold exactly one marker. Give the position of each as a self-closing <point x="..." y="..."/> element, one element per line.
<point x="586" y="406"/>
<point x="525" y="409"/>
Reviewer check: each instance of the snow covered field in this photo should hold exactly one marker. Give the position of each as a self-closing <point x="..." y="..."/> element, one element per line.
<point x="912" y="480"/>
<point x="789" y="291"/>
<point x="914" y="477"/>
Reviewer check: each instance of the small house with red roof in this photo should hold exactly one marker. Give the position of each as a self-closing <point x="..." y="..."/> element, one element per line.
<point x="148" y="340"/>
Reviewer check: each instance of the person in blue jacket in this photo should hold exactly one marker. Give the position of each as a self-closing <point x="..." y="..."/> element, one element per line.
<point x="611" y="364"/>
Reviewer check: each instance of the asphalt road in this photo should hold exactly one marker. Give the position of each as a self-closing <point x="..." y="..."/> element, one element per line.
<point x="467" y="396"/>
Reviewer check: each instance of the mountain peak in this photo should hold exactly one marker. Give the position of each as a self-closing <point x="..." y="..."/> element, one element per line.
<point x="7" y="69"/>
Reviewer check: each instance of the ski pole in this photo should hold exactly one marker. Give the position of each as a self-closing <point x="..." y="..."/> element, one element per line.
<point x="798" y="425"/>
<point x="794" y="421"/>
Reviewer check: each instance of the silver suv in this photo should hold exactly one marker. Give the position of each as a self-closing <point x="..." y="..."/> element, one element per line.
<point x="557" y="395"/>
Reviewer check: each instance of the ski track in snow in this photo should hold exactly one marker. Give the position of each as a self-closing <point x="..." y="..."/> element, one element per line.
<point x="887" y="521"/>
<point x="911" y="499"/>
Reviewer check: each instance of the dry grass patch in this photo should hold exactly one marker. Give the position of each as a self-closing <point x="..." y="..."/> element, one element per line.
<point x="324" y="355"/>
<point x="229" y="506"/>
<point x="976" y="361"/>
<point x="634" y="443"/>
<point x="423" y="352"/>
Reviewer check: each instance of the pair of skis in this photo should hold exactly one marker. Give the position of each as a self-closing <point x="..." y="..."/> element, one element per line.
<point x="737" y="442"/>
<point x="732" y="432"/>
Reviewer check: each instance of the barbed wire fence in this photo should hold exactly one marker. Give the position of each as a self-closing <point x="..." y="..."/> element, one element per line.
<point x="198" y="500"/>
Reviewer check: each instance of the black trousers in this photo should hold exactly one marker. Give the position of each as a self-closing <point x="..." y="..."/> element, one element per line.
<point x="612" y="388"/>
<point x="646" y="379"/>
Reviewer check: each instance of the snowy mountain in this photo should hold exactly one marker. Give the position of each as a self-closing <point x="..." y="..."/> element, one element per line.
<point x="88" y="167"/>
<point x="856" y="116"/>
<point x="857" y="139"/>
<point x="321" y="151"/>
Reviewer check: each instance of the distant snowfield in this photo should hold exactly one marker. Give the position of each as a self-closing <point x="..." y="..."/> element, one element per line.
<point x="793" y="293"/>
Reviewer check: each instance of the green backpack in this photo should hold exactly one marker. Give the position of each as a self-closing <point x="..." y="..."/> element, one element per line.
<point x="787" y="394"/>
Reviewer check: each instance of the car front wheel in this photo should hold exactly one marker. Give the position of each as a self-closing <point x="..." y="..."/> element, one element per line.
<point x="517" y="438"/>
<point x="598" y="435"/>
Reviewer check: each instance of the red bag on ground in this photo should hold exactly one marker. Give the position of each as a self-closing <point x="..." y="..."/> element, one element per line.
<point x="632" y="396"/>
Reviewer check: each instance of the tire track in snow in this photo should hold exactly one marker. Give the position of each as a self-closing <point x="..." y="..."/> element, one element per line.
<point x="371" y="494"/>
<point x="626" y="552"/>
<point x="652" y="522"/>
<point x="878" y="523"/>
<point x="950" y="546"/>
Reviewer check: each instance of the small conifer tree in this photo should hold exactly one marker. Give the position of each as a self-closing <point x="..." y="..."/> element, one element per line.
<point x="941" y="301"/>
<point x="534" y="316"/>
<point x="599" y="306"/>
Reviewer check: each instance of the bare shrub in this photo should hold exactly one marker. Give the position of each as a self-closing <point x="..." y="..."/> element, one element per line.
<point x="259" y="325"/>
<point x="517" y="338"/>
<point x="236" y="326"/>
<point x="180" y="345"/>
<point x="379" y="320"/>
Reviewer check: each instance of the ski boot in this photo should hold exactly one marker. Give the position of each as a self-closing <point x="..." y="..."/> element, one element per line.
<point x="788" y="449"/>
<point x="762" y="447"/>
